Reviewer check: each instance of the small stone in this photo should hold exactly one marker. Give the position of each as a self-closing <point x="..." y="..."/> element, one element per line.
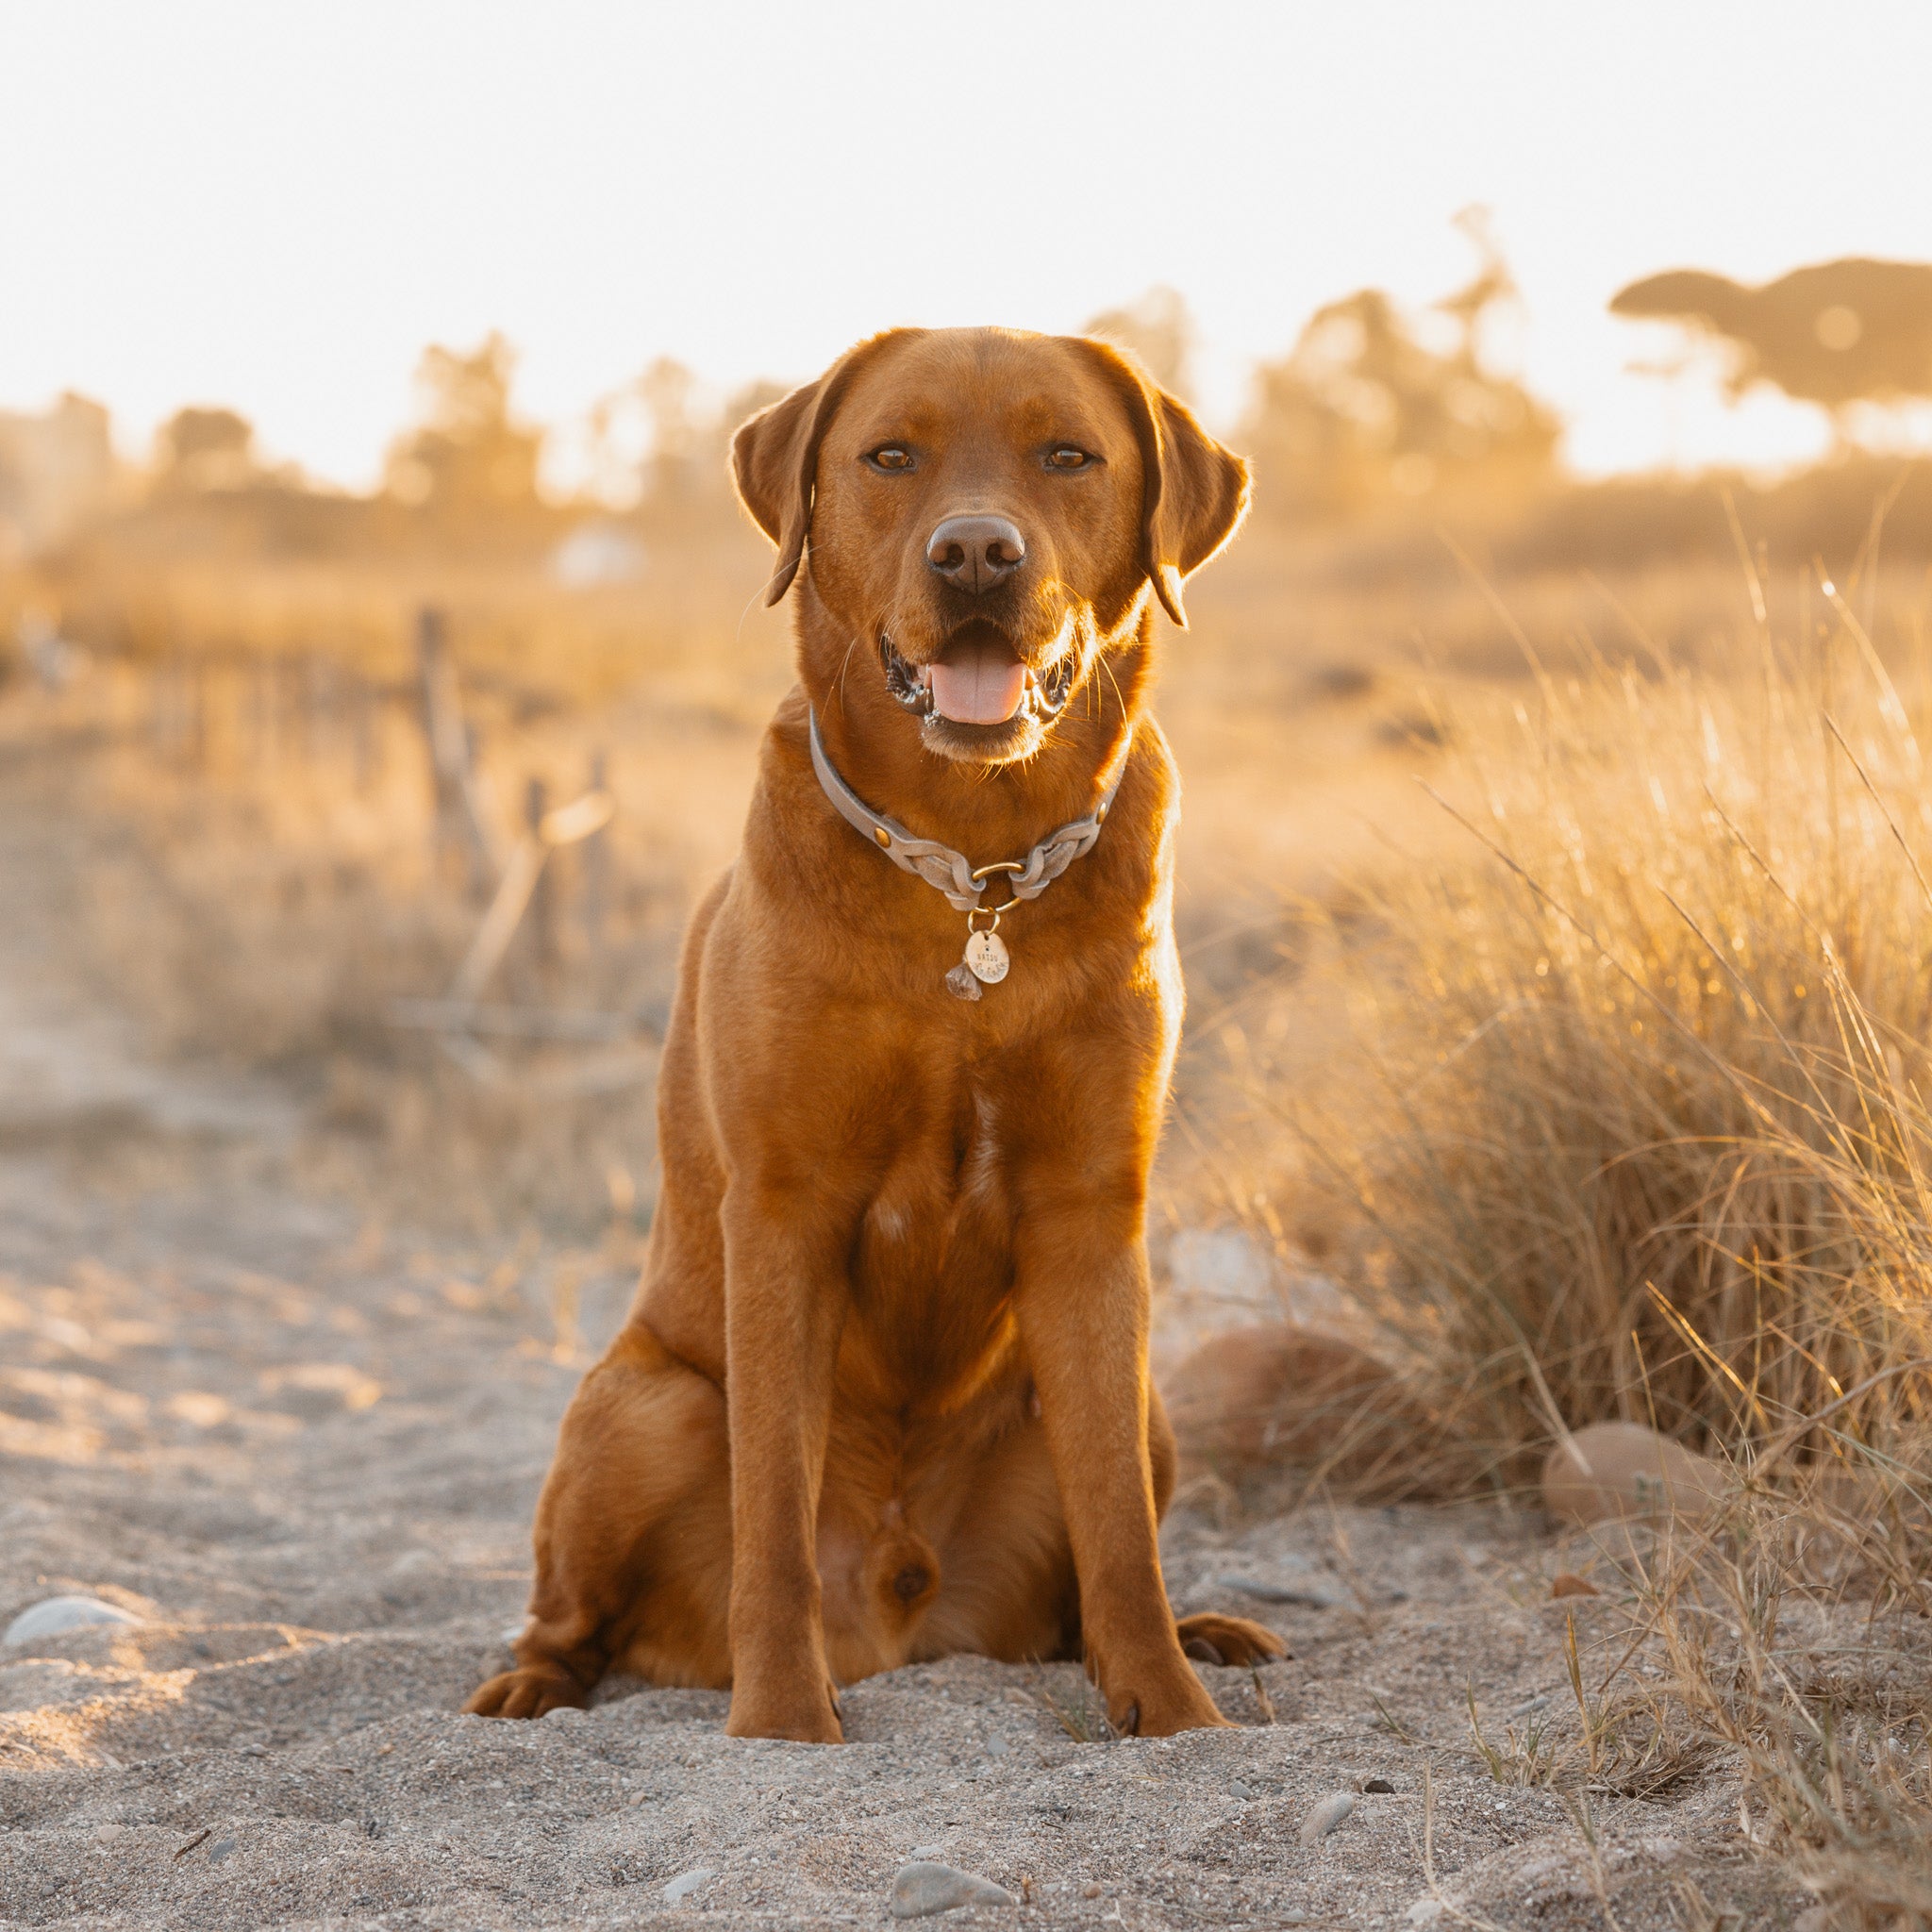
<point x="1239" y="1791"/>
<point x="1089" y="1889"/>
<point x="997" y="1747"/>
<point x="59" y="1613"/>
<point x="1567" y="1583"/>
<point x="686" y="1883"/>
<point x="1327" y="1816"/>
<point x="220" y="1850"/>
<point x="1623" y="1469"/>
<point x="1425" y="1912"/>
<point x="1378" y="1785"/>
<point x="918" y="1852"/>
<point x="921" y="1889"/>
<point x="1295" y="1916"/>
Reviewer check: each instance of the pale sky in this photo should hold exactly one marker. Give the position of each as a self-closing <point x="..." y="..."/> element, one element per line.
<point x="276" y="206"/>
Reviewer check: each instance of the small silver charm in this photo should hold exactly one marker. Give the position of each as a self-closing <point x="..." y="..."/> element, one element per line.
<point x="987" y="957"/>
<point x="962" y="984"/>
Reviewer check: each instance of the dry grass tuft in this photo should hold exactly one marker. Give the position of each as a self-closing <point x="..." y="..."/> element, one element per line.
<point x="1635" y="1126"/>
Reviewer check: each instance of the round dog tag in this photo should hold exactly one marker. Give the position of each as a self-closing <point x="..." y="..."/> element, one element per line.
<point x="987" y="959"/>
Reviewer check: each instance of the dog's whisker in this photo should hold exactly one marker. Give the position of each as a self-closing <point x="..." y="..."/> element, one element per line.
<point x="840" y="682"/>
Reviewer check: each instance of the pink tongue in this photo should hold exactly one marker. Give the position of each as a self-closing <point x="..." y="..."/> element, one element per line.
<point x="981" y="686"/>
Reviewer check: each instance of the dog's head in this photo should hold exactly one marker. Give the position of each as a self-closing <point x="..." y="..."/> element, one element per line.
<point x="985" y="513"/>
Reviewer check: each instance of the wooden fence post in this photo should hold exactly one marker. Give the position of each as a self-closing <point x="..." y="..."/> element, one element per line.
<point x="195" y="690"/>
<point x="596" y="864"/>
<point x="542" y="913"/>
<point x="458" y="829"/>
<point x="365" y="727"/>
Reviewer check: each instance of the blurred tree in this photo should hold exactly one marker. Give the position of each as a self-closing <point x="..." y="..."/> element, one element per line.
<point x="1158" y="331"/>
<point x="57" y="469"/>
<point x="198" y="449"/>
<point x="688" y="463"/>
<point x="662" y="446"/>
<point x="1487" y="295"/>
<point x="1837" y="333"/>
<point x="666" y="391"/>
<point x="1362" y="411"/>
<point x="468" y="454"/>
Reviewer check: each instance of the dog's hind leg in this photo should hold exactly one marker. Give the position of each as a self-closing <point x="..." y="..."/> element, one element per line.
<point x="1007" y="1587"/>
<point x="1204" y="1635"/>
<point x="633" y="1538"/>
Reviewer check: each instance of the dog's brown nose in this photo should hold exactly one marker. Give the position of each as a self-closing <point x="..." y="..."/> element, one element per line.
<point x="975" y="553"/>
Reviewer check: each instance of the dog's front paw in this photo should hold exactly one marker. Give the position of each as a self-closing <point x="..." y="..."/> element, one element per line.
<point x="804" y="1720"/>
<point x="1215" y="1639"/>
<point x="1161" y="1704"/>
<point x="529" y="1690"/>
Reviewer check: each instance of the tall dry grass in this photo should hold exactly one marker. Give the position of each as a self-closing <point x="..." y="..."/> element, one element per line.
<point x="1634" y="1123"/>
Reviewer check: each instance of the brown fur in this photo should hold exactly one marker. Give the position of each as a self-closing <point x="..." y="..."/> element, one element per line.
<point x="883" y="1394"/>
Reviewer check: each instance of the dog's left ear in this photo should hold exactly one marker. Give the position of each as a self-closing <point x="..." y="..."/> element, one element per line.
<point x="775" y="458"/>
<point x="1193" y="493"/>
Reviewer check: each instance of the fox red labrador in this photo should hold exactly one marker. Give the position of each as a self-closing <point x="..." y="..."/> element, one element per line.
<point x="883" y="1394"/>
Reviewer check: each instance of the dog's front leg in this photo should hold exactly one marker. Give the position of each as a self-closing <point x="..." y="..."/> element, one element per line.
<point x="786" y="1292"/>
<point x="1083" y="1307"/>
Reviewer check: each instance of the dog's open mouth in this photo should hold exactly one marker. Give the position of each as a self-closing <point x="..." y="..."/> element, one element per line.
<point x="977" y="679"/>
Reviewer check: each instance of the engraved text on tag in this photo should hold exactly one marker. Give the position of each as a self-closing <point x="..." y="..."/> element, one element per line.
<point x="987" y="957"/>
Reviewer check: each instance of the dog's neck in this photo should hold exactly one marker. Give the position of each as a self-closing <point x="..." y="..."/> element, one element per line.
<point x="987" y="811"/>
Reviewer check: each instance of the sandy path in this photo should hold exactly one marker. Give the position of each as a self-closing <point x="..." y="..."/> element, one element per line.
<point x="305" y="1453"/>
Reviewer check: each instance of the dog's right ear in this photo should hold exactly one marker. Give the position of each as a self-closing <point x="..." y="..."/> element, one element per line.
<point x="775" y="458"/>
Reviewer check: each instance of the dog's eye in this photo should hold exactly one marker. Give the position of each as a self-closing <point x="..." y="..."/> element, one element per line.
<point x="1068" y="458"/>
<point x="891" y="458"/>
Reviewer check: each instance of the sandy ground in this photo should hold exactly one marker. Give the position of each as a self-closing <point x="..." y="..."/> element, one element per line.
<point x="303" y="1452"/>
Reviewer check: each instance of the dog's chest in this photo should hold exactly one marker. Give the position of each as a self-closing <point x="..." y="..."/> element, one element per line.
<point x="933" y="1266"/>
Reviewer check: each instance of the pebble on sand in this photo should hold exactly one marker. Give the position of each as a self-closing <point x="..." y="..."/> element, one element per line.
<point x="686" y="1883"/>
<point x="1623" y="1469"/>
<point x="922" y="1888"/>
<point x="1327" y="1816"/>
<point x="59" y="1613"/>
